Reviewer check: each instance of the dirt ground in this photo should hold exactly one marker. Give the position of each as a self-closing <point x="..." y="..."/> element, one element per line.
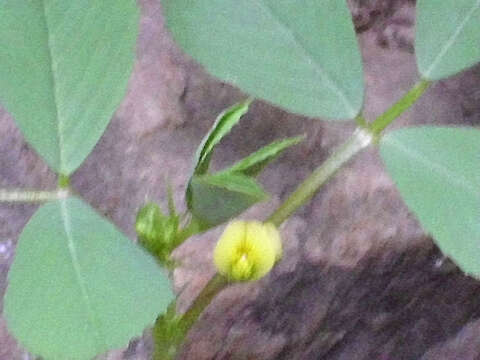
<point x="359" y="279"/>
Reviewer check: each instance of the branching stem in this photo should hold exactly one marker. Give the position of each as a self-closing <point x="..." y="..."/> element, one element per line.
<point x="365" y="134"/>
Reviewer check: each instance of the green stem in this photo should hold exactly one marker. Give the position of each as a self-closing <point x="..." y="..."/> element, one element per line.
<point x="360" y="139"/>
<point x="192" y="228"/>
<point x="380" y="123"/>
<point x="216" y="284"/>
<point x="361" y="121"/>
<point x="63" y="181"/>
<point x="167" y="340"/>
<point x="19" y="195"/>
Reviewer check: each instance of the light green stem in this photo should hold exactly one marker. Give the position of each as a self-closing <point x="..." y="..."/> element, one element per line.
<point x="216" y="284"/>
<point x="192" y="228"/>
<point x="19" y="195"/>
<point x="166" y="342"/>
<point x="361" y="121"/>
<point x="399" y="107"/>
<point x="359" y="140"/>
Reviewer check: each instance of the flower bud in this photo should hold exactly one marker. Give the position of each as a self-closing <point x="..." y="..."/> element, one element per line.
<point x="247" y="250"/>
<point x="156" y="232"/>
<point x="149" y="223"/>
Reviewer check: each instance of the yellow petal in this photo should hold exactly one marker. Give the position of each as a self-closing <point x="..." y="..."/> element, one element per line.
<point x="261" y="252"/>
<point x="225" y="252"/>
<point x="247" y="250"/>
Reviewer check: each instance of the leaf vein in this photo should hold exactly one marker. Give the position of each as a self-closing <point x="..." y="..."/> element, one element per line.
<point x="453" y="178"/>
<point x="92" y="319"/>
<point x="55" y="95"/>
<point x="452" y="39"/>
<point x="316" y="66"/>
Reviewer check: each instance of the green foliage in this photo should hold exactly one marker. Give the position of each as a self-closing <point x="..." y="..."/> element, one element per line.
<point x="215" y="198"/>
<point x="218" y="197"/>
<point x="437" y="171"/>
<point x="168" y="334"/>
<point x="253" y="164"/>
<point x="79" y="287"/>
<point x="222" y="126"/>
<point x="300" y="55"/>
<point x="447" y="36"/>
<point x="200" y="193"/>
<point x="64" y="67"/>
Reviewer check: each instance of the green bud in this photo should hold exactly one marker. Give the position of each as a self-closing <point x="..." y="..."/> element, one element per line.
<point x="156" y="231"/>
<point x="149" y="224"/>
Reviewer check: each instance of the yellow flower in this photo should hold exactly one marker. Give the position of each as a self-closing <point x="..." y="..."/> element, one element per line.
<point x="247" y="250"/>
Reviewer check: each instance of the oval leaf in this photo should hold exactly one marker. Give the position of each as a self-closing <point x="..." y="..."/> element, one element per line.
<point x="219" y="197"/>
<point x="64" y="67"/>
<point x="300" y="55"/>
<point x="437" y="171"/>
<point x="79" y="287"/>
<point x="447" y="36"/>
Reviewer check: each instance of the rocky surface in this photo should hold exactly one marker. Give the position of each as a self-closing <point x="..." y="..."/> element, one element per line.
<point x="359" y="279"/>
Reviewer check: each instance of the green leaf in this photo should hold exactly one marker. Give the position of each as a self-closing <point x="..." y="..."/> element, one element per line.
<point x="219" y="197"/>
<point x="222" y="126"/>
<point x="437" y="171"/>
<point x="253" y="164"/>
<point x="447" y="36"/>
<point x="64" y="68"/>
<point x="300" y="55"/>
<point x="79" y="287"/>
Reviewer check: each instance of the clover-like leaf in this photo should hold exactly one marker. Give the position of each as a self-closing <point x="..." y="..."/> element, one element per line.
<point x="447" y="36"/>
<point x="64" y="68"/>
<point x="78" y="287"/>
<point x="300" y="55"/>
<point x="437" y="171"/>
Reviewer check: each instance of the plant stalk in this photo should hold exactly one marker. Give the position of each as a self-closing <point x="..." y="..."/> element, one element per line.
<point x="410" y="98"/>
<point x="193" y="227"/>
<point x="33" y="196"/>
<point x="359" y="140"/>
<point x="168" y="338"/>
<point x="216" y="284"/>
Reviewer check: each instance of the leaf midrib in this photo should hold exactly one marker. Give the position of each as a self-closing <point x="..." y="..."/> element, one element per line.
<point x="449" y="43"/>
<point x="58" y="121"/>
<point x="306" y="53"/>
<point x="92" y="318"/>
<point x="454" y="179"/>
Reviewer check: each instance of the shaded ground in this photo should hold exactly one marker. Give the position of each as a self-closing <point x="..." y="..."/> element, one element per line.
<point x="359" y="279"/>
